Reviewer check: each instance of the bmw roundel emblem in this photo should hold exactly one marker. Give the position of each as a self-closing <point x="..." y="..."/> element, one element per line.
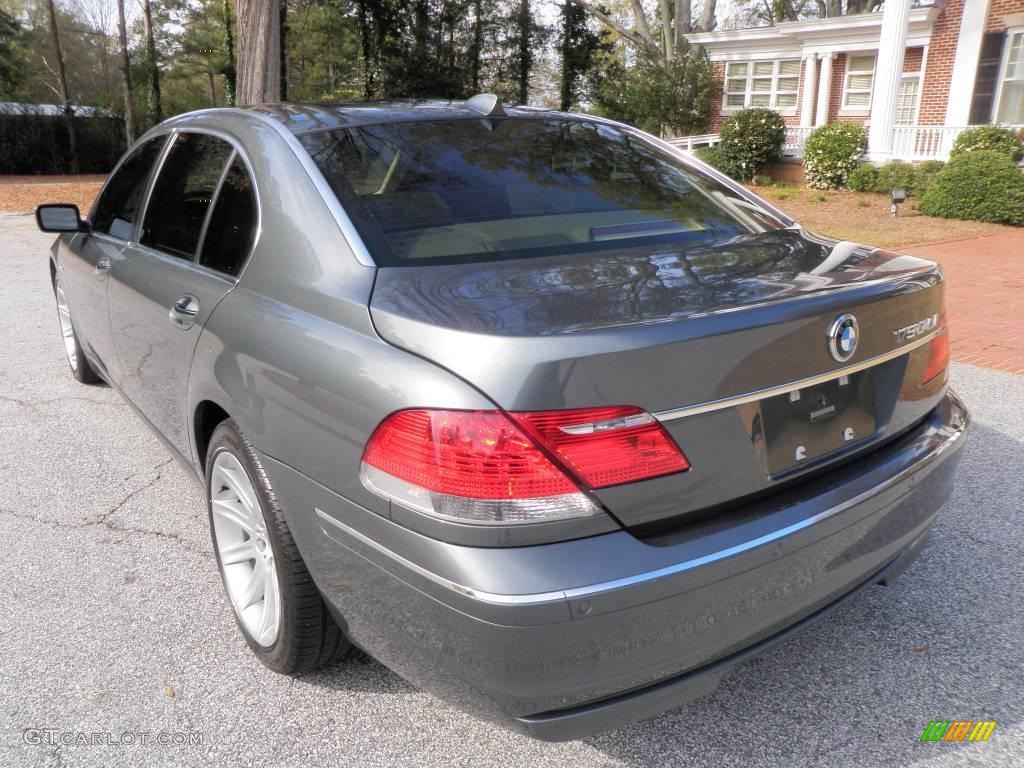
<point x="842" y="338"/>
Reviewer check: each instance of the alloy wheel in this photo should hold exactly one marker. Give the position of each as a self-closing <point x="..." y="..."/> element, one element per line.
<point x="66" y="329"/>
<point x="246" y="554"/>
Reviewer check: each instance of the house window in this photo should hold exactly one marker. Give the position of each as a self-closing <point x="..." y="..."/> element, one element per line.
<point x="762" y="84"/>
<point x="1010" y="106"/>
<point x="906" y="99"/>
<point x="860" y="74"/>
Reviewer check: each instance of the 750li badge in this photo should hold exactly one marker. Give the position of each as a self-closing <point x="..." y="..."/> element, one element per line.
<point x="916" y="329"/>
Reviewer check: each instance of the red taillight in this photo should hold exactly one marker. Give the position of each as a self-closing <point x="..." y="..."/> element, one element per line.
<point x="938" y="356"/>
<point x="492" y="467"/>
<point x="476" y="454"/>
<point x="607" y="446"/>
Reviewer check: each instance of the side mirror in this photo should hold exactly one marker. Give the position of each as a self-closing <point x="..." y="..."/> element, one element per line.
<point x="60" y="217"/>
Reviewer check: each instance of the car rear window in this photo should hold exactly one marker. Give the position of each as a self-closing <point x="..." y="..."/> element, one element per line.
<point x="474" y="190"/>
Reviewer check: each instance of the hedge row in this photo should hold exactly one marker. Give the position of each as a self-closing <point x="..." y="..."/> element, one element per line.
<point x="32" y="143"/>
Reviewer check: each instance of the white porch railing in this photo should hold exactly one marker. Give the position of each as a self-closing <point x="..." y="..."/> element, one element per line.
<point x="690" y="143"/>
<point x="923" y="142"/>
<point x="913" y="143"/>
<point x="793" y="146"/>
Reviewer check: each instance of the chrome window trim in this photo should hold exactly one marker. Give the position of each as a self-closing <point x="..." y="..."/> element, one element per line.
<point x="117" y="167"/>
<point x="341" y="218"/>
<point x="593" y="590"/>
<point x="239" y="151"/>
<point x="213" y="204"/>
<point x="782" y="389"/>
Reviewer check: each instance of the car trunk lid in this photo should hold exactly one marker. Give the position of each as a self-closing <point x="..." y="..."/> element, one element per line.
<point x="699" y="336"/>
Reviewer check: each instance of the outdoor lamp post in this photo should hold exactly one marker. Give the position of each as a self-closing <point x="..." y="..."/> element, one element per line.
<point x="897" y="195"/>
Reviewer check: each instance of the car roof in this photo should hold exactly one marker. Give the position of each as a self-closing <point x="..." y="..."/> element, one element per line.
<point x="302" y="118"/>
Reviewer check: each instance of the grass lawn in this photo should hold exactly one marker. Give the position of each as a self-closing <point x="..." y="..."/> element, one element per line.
<point x="865" y="218"/>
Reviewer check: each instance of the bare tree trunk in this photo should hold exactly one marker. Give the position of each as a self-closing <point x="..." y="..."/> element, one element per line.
<point x="640" y="19"/>
<point x="229" y="70"/>
<point x="126" y="76"/>
<point x="835" y="8"/>
<point x="683" y="11"/>
<point x="478" y="36"/>
<point x="668" y="41"/>
<point x="259" y="55"/>
<point x="525" y="51"/>
<point x="62" y="79"/>
<point x="155" y="102"/>
<point x="283" y="34"/>
<point x="708" y="20"/>
<point x="213" y="87"/>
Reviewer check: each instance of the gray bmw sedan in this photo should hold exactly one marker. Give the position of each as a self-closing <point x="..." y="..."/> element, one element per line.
<point x="552" y="420"/>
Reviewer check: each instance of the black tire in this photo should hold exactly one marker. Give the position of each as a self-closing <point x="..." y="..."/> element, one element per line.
<point x="80" y="368"/>
<point x="308" y="636"/>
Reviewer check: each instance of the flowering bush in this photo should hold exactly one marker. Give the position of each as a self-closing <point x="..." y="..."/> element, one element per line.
<point x="751" y="139"/>
<point x="985" y="137"/>
<point x="984" y="185"/>
<point x="831" y="153"/>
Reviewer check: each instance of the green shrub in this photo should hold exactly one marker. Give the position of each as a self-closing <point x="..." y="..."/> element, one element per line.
<point x="927" y="172"/>
<point x="38" y="143"/>
<point x="983" y="185"/>
<point x="988" y="137"/>
<point x="751" y="138"/>
<point x="915" y="178"/>
<point x="708" y="155"/>
<point x="863" y="178"/>
<point x="831" y="154"/>
<point x="896" y="173"/>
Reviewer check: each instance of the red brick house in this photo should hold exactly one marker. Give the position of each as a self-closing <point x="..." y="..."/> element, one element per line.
<point x="914" y="74"/>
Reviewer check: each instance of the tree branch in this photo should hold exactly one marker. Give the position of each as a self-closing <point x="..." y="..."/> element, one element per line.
<point x="633" y="36"/>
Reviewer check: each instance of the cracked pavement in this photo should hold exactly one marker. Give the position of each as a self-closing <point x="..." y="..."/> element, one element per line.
<point x="114" y="621"/>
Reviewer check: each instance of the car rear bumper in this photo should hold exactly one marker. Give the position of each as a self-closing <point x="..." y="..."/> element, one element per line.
<point x="566" y="639"/>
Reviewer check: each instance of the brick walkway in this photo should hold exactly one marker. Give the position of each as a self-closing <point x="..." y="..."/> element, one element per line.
<point x="984" y="297"/>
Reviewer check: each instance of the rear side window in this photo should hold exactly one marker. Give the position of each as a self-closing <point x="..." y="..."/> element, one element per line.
<point x="474" y="190"/>
<point x="119" y="203"/>
<point x="232" y="226"/>
<point x="183" y="192"/>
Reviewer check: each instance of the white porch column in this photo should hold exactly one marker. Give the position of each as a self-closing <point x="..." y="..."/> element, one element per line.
<point x="965" y="64"/>
<point x="810" y="83"/>
<point x="888" y="71"/>
<point x="824" y="89"/>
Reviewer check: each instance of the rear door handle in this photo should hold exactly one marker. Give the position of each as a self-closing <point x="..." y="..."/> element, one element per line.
<point x="102" y="267"/>
<point x="184" y="311"/>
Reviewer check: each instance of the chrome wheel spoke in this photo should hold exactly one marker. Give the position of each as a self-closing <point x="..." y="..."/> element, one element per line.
<point x="255" y="590"/>
<point x="268" y="621"/>
<point x="238" y="483"/>
<point x="234" y="513"/>
<point x="239" y="552"/>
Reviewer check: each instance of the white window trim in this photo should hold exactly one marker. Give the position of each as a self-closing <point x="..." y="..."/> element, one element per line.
<point x="919" y="76"/>
<point x="858" y="111"/>
<point x="1001" y="79"/>
<point x="748" y="89"/>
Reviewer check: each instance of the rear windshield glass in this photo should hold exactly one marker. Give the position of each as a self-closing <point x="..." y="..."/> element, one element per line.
<point x="474" y="190"/>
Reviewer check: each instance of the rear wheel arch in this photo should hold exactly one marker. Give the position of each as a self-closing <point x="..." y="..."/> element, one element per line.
<point x="207" y="417"/>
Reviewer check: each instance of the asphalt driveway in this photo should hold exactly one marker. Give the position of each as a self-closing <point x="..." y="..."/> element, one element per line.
<point x="113" y="621"/>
